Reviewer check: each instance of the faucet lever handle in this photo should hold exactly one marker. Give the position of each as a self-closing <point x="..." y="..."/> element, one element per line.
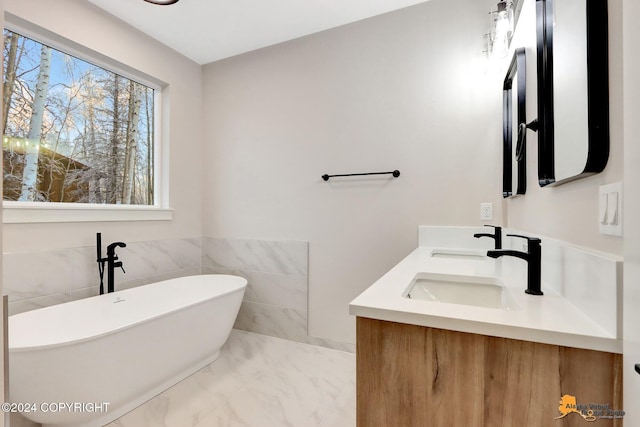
<point x="494" y="226"/>
<point x="121" y="266"/>
<point x="530" y="239"/>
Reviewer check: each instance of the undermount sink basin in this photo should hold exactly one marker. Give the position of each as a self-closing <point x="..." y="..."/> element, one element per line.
<point x="467" y="254"/>
<point x="466" y="290"/>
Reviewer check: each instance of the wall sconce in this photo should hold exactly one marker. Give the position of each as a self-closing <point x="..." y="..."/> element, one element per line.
<point x="501" y="29"/>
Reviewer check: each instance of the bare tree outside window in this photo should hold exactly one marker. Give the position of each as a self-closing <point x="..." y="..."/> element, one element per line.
<point x="72" y="131"/>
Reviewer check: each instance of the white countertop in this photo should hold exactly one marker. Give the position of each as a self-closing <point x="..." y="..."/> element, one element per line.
<point x="550" y="319"/>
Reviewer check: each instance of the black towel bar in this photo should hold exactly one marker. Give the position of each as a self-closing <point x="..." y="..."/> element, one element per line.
<point x="395" y="173"/>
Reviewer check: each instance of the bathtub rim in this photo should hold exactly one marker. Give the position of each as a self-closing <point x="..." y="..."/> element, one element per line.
<point x="30" y="348"/>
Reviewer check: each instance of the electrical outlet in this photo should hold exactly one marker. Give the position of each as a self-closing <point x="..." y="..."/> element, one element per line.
<point x="486" y="211"/>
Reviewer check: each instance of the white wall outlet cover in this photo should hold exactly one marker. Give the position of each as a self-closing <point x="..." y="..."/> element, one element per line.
<point x="610" y="209"/>
<point x="486" y="211"/>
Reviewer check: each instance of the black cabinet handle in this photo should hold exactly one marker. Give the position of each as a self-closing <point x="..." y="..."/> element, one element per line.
<point x="638" y="368"/>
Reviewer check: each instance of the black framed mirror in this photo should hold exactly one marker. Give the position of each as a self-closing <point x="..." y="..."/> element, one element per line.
<point x="514" y="126"/>
<point x="573" y="89"/>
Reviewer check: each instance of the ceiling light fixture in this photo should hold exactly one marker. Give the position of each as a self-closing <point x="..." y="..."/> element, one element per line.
<point x="162" y="2"/>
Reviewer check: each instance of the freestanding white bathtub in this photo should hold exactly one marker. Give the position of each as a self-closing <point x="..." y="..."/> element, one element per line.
<point x="86" y="363"/>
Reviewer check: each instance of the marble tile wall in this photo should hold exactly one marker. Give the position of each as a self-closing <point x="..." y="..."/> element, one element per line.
<point x="275" y="302"/>
<point x="40" y="279"/>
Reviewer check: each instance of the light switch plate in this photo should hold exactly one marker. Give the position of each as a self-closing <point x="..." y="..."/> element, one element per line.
<point x="610" y="196"/>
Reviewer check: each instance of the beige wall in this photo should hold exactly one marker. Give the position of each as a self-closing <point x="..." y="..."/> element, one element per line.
<point x="409" y="90"/>
<point x="89" y="26"/>
<point x="569" y="211"/>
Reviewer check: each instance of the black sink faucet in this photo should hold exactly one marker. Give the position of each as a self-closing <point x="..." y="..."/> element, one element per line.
<point x="497" y="236"/>
<point x="533" y="258"/>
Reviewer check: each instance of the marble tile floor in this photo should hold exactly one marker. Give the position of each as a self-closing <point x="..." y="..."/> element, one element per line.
<point x="258" y="381"/>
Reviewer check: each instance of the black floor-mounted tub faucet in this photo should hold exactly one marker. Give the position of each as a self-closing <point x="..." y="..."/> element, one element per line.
<point x="111" y="260"/>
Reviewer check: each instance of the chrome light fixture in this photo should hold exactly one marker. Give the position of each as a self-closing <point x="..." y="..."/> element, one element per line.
<point x="501" y="29"/>
<point x="162" y="2"/>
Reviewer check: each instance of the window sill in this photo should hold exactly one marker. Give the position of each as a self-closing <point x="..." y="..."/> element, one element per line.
<point x="22" y="213"/>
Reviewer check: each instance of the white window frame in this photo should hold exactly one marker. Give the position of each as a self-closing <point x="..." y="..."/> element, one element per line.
<point x="14" y="212"/>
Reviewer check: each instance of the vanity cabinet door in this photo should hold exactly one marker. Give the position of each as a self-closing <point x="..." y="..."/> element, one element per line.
<point x="409" y="375"/>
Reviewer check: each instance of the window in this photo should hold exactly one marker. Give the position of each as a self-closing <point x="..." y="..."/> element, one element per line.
<point x="74" y="132"/>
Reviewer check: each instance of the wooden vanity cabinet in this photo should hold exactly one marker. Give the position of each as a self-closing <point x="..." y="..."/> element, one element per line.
<point x="410" y="375"/>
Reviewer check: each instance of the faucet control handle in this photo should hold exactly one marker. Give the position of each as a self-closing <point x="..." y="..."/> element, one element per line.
<point x="119" y="264"/>
<point x="533" y="243"/>
<point x="494" y="226"/>
<point x="530" y="239"/>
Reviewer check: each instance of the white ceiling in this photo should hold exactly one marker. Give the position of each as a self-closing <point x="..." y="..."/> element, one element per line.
<point x="209" y="30"/>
